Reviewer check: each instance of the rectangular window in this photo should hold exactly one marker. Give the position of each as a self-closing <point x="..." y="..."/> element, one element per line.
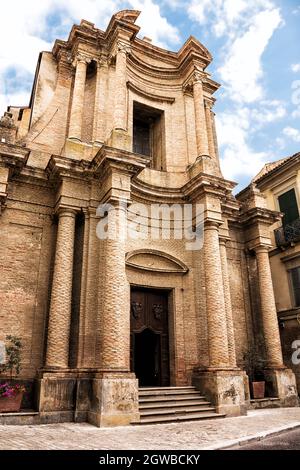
<point x="288" y="205"/>
<point x="148" y="134"/>
<point x="295" y="282"/>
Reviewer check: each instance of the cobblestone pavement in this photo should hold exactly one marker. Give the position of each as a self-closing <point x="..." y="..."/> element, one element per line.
<point x="183" y="436"/>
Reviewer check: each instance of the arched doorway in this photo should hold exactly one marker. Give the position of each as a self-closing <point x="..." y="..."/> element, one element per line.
<point x="150" y="337"/>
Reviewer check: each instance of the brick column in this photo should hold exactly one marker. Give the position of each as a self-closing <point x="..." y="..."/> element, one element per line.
<point x="209" y="126"/>
<point x="115" y="329"/>
<point x="215" y="303"/>
<point x="201" y="128"/>
<point x="78" y="99"/>
<point x="228" y="306"/>
<point x="268" y="309"/>
<point x="61" y="295"/>
<point x="215" y="137"/>
<point x="99" y="113"/>
<point x="120" y="112"/>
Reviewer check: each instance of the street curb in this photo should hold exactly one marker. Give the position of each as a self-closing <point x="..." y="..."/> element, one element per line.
<point x="256" y="438"/>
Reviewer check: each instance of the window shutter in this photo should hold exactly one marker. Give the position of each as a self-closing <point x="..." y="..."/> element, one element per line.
<point x="288" y="205"/>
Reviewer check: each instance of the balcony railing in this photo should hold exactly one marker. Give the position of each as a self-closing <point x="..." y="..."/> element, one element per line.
<point x="287" y="234"/>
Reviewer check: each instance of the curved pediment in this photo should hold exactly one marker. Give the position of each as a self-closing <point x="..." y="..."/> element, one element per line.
<point x="156" y="261"/>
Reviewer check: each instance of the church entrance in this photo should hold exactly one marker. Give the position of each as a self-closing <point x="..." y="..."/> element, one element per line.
<point x="149" y="351"/>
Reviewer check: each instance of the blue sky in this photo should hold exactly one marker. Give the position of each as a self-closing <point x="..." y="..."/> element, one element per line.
<point x="255" y="45"/>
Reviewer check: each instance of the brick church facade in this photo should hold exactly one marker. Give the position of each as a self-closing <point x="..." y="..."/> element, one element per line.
<point x="114" y="118"/>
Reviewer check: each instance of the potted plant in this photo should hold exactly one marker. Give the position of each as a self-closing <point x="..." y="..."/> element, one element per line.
<point x="11" y="394"/>
<point x="254" y="367"/>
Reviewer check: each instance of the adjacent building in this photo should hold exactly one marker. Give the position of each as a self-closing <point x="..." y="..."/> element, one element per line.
<point x="279" y="182"/>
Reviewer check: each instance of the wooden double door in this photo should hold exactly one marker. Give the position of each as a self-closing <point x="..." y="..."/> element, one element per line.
<point x="149" y="351"/>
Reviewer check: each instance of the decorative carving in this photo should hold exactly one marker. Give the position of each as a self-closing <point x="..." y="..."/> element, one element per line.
<point x="157" y="310"/>
<point x="208" y="104"/>
<point x="120" y="47"/>
<point x="123" y="47"/>
<point x="136" y="309"/>
<point x="196" y="77"/>
<point x="128" y="15"/>
<point x="102" y="61"/>
<point x="7" y="121"/>
<point x="81" y="58"/>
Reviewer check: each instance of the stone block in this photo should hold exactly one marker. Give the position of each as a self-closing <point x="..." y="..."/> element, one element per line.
<point x="115" y="400"/>
<point x="224" y="388"/>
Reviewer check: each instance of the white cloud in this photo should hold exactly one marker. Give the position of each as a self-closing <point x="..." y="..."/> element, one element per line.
<point x="236" y="127"/>
<point x="154" y="25"/>
<point x="296" y="113"/>
<point x="246" y="27"/>
<point x="268" y="111"/>
<point x="31" y="31"/>
<point x="292" y="133"/>
<point x="295" y="67"/>
<point x="238" y="159"/>
<point x="242" y="68"/>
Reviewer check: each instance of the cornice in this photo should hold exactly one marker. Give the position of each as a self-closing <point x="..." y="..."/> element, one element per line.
<point x="148" y="95"/>
<point x="203" y="183"/>
<point x="13" y="155"/>
<point x="120" y="160"/>
<point x="259" y="215"/>
<point x="148" y="193"/>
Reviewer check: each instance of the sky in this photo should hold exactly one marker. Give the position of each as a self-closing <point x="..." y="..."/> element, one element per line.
<point x="256" y="50"/>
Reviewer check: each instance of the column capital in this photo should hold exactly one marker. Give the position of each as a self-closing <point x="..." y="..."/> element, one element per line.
<point x="198" y="75"/>
<point x="223" y="241"/>
<point x="66" y="212"/>
<point x="211" y="225"/>
<point x="119" y="47"/>
<point x="208" y="103"/>
<point x="101" y="62"/>
<point x="80" y="58"/>
<point x="122" y="47"/>
<point x="262" y="249"/>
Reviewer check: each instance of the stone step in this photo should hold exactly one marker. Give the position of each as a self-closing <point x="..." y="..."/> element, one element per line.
<point x="168" y="393"/>
<point x="175" y="410"/>
<point x="155" y="389"/>
<point x="178" y="417"/>
<point x="173" y="404"/>
<point x="22" y="418"/>
<point x="167" y="398"/>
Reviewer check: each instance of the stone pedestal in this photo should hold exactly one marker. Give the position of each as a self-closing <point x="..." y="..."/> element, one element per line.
<point x="55" y="397"/>
<point x="115" y="400"/>
<point x="283" y="385"/>
<point x="120" y="139"/>
<point x="225" y="388"/>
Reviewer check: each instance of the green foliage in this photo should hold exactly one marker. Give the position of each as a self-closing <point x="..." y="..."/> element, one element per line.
<point x="13" y="348"/>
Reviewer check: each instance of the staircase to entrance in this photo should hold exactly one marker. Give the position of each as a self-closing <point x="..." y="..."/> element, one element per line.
<point x="172" y="404"/>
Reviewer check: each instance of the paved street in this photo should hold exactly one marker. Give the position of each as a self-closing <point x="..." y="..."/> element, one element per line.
<point x="209" y="434"/>
<point x="286" y="441"/>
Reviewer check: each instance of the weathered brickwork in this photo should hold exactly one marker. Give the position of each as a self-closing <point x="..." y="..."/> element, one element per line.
<point x="66" y="293"/>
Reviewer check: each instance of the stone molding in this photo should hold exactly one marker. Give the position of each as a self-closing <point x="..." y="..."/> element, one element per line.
<point x="179" y="266"/>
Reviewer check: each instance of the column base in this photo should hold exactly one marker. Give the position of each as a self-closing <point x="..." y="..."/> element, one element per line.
<point x="120" y="139"/>
<point x="114" y="400"/>
<point x="281" y="383"/>
<point x="56" y="393"/>
<point x="64" y="395"/>
<point x="225" y="388"/>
